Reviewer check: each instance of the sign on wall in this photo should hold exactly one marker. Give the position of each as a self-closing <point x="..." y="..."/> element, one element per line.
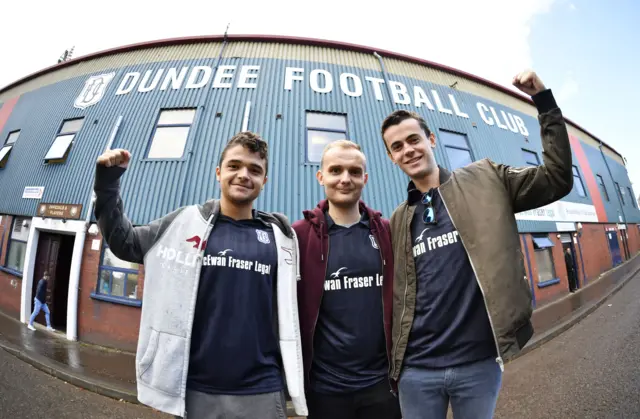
<point x="64" y="211"/>
<point x="33" y="192"/>
<point x="561" y="211"/>
<point x="318" y="80"/>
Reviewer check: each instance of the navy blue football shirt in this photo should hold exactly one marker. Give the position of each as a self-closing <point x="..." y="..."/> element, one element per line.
<point x="234" y="348"/>
<point x="451" y="326"/>
<point x="349" y="342"/>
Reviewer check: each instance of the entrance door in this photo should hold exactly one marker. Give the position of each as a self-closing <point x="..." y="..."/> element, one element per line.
<point x="567" y="243"/>
<point x="625" y="244"/>
<point x="614" y="248"/>
<point x="54" y="256"/>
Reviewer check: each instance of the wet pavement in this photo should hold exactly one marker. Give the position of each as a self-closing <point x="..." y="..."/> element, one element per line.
<point x="591" y="371"/>
<point x="113" y="368"/>
<point x="26" y="392"/>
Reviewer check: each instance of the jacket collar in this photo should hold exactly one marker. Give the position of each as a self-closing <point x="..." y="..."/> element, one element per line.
<point x="364" y="220"/>
<point x="414" y="195"/>
<point x="317" y="217"/>
<point x="211" y="210"/>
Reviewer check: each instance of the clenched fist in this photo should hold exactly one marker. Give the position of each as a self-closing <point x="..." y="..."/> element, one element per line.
<point x="117" y="157"/>
<point x="529" y="83"/>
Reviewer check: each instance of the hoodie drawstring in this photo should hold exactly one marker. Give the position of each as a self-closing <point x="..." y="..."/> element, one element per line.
<point x="322" y="241"/>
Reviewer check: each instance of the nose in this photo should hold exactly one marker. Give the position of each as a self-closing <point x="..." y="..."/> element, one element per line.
<point x="243" y="173"/>
<point x="345" y="177"/>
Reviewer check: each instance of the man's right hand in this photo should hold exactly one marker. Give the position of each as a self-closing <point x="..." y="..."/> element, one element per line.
<point x="117" y="157"/>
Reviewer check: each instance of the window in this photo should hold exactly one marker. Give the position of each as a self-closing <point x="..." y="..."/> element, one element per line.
<point x="578" y="186"/>
<point x="171" y="133"/>
<point x="322" y="129"/>
<point x="633" y="201"/>
<point x="7" y="147"/>
<point x="620" y="192"/>
<point x="59" y="150"/>
<point x="530" y="158"/>
<point x="457" y="149"/>
<point x="18" y="244"/>
<point x="117" y="278"/>
<point x="544" y="258"/>
<point x="603" y="188"/>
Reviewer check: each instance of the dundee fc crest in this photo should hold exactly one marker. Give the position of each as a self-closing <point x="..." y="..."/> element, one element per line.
<point x="93" y="90"/>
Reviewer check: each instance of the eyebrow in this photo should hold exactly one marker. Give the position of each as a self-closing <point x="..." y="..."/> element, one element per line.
<point x="251" y="165"/>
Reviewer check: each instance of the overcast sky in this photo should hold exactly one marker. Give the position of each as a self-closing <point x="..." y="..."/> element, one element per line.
<point x="585" y="50"/>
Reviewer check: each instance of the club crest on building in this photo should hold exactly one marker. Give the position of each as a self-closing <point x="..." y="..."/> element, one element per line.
<point x="373" y="241"/>
<point x="263" y="237"/>
<point x="93" y="90"/>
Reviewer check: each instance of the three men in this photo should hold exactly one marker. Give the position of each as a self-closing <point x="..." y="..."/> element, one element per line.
<point x="219" y="331"/>
<point x="345" y="295"/>
<point x="462" y="301"/>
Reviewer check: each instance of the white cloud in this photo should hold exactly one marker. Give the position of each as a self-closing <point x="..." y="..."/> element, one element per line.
<point x="572" y="7"/>
<point x="488" y="38"/>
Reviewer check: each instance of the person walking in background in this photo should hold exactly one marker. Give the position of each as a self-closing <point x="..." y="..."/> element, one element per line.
<point x="571" y="272"/>
<point x="40" y="303"/>
<point x="345" y="295"/>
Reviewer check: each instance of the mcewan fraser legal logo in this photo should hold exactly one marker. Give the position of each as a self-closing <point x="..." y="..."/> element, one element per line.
<point x="93" y="90"/>
<point x="419" y="238"/>
<point x="341" y="280"/>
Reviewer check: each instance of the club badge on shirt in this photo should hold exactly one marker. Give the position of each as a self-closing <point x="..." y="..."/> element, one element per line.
<point x="263" y="237"/>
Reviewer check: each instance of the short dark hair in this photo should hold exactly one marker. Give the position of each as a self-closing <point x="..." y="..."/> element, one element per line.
<point x="252" y="142"/>
<point x="397" y="117"/>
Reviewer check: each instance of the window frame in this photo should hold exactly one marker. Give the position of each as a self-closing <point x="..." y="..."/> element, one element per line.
<point x="575" y="175"/>
<point x="538" y="250"/>
<point x="157" y="125"/>
<point x="455" y="147"/>
<point x="10" y="241"/>
<point x="527" y="163"/>
<point x="5" y="159"/>
<point x="99" y="295"/>
<point x="323" y="129"/>
<point x="603" y="188"/>
<point x="61" y="133"/>
<point x="632" y="197"/>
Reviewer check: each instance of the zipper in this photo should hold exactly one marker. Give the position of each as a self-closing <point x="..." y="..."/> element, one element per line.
<point x="384" y="329"/>
<point x="208" y="230"/>
<point x="315" y="323"/>
<point x="499" y="359"/>
<point x="406" y="290"/>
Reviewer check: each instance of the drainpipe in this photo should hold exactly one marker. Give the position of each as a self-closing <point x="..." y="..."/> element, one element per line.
<point x="618" y="193"/>
<point x="76" y="258"/>
<point x="386" y="79"/>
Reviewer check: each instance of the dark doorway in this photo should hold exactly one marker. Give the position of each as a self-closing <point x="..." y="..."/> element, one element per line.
<point x="614" y="247"/>
<point x="567" y="243"/>
<point x="625" y="244"/>
<point x="54" y="256"/>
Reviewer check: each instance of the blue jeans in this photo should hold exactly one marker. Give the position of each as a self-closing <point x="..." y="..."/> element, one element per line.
<point x="472" y="390"/>
<point x="37" y="306"/>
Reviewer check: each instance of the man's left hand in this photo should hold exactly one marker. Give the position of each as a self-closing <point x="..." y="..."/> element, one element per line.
<point x="529" y="83"/>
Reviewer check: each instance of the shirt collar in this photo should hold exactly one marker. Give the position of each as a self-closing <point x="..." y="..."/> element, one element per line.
<point x="364" y="220"/>
<point x="414" y="195"/>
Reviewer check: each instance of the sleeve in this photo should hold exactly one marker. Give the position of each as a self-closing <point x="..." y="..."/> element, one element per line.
<point x="533" y="187"/>
<point x="125" y="241"/>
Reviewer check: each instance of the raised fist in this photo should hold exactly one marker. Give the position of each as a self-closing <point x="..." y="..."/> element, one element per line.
<point x="117" y="157"/>
<point x="528" y="82"/>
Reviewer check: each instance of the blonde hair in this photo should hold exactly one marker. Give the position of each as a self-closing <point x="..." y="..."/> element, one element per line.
<point x="344" y="144"/>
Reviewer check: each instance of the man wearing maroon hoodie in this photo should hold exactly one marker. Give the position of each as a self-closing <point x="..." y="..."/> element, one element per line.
<point x="345" y="295"/>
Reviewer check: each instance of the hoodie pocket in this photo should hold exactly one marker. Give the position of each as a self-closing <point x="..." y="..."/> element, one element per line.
<point x="162" y="365"/>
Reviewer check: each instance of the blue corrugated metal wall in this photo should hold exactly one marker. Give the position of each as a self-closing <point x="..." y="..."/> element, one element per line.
<point x="153" y="188"/>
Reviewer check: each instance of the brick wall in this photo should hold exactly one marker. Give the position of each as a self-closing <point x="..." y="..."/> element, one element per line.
<point x="10" y="285"/>
<point x="100" y="322"/>
<point x="595" y="251"/>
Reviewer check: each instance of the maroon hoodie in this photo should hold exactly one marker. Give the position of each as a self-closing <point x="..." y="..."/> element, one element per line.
<point x="313" y="239"/>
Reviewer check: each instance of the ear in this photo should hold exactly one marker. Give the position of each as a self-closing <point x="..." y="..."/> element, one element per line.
<point x="366" y="178"/>
<point x="320" y="177"/>
<point x="264" y="182"/>
<point x="432" y="140"/>
<point x="218" y="173"/>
